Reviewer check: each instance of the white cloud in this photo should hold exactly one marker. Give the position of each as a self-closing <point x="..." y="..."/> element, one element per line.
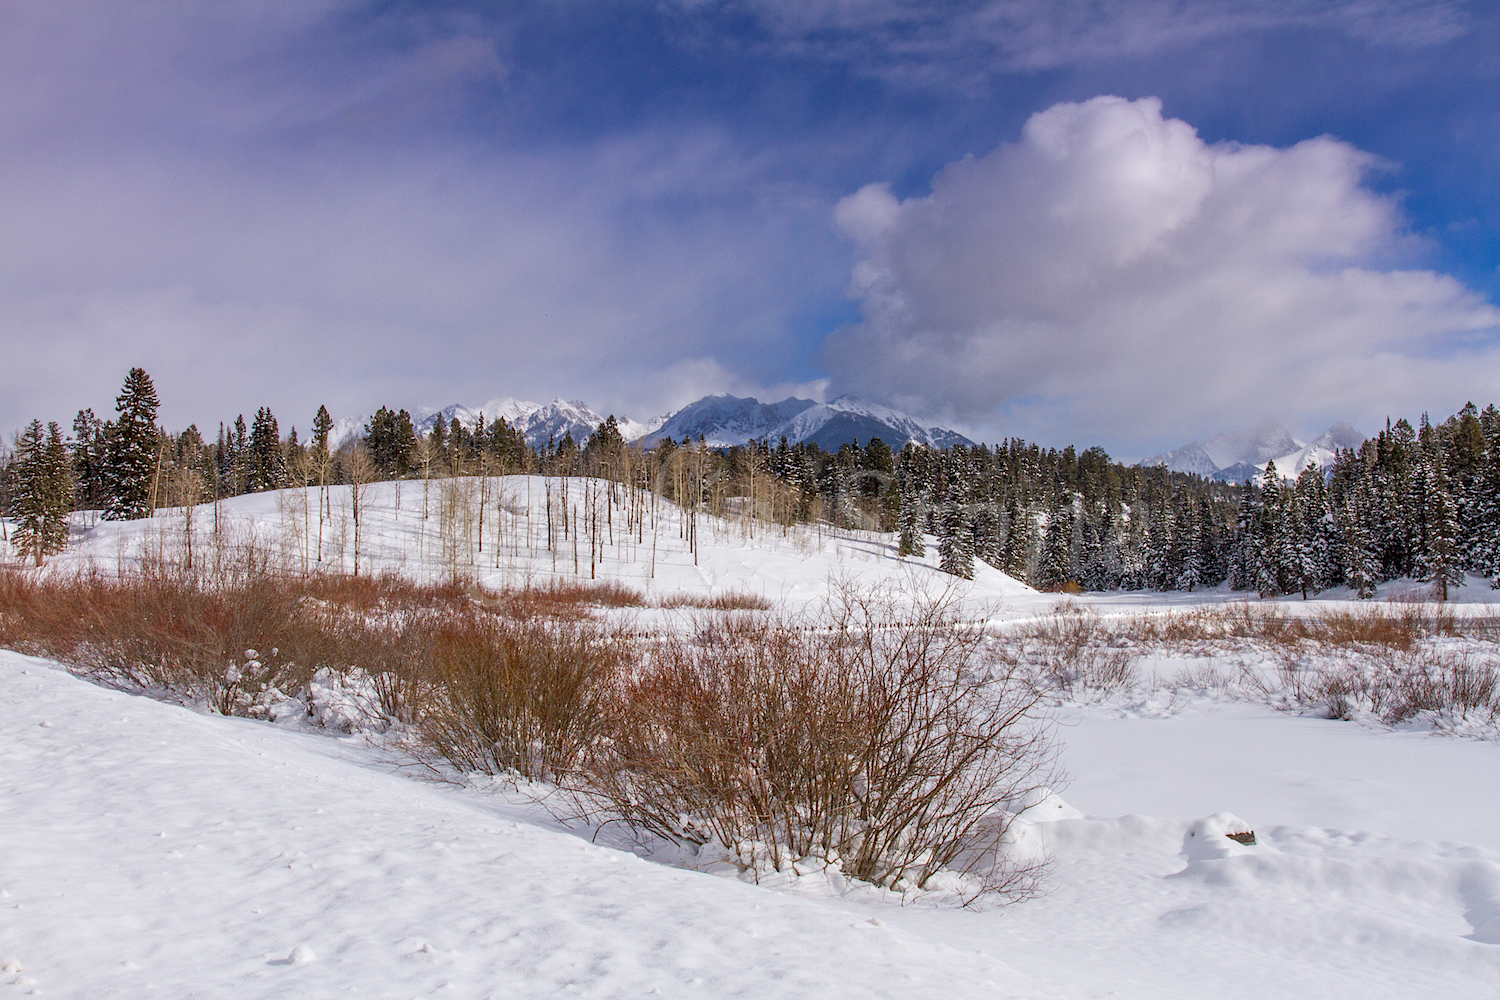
<point x="1112" y="277"/>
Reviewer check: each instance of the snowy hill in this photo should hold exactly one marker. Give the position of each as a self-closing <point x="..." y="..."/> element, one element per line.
<point x="1236" y="456"/>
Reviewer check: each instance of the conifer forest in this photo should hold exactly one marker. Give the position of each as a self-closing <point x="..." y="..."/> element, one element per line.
<point x="1420" y="502"/>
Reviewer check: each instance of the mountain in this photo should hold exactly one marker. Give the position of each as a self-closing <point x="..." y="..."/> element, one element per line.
<point x="1236" y="456"/>
<point x="723" y="420"/>
<point x="1321" y="451"/>
<point x="537" y="422"/>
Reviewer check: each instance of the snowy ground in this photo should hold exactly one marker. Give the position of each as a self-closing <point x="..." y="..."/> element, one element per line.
<point x="149" y="850"/>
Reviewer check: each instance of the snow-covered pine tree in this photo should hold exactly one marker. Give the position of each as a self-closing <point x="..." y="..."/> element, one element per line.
<point x="910" y="503"/>
<point x="1270" y="535"/>
<point x="1190" y="544"/>
<point x="1015" y="536"/>
<point x="1057" y="543"/>
<point x="266" y="469"/>
<point x="1485" y="549"/>
<point x="1439" y="560"/>
<point x="1361" y="561"/>
<point x="1244" y="562"/>
<point x="956" y="538"/>
<point x="131" y="464"/>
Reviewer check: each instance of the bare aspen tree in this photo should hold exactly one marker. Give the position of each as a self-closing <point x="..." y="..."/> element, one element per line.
<point x="361" y="475"/>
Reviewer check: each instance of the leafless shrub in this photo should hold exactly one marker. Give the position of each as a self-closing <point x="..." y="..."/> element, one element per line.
<point x="525" y="697"/>
<point x="162" y="632"/>
<point x="885" y="749"/>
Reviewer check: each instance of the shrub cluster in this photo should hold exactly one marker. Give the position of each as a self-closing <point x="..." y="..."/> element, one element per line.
<point x="876" y="736"/>
<point x="888" y="750"/>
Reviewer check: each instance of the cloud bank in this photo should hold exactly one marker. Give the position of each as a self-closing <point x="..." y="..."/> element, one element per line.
<point x="1114" y="275"/>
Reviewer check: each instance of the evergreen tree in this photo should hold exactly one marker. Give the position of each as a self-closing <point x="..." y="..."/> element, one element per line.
<point x="266" y="468"/>
<point x="42" y="492"/>
<point x="1362" y="561"/>
<point x="956" y="538"/>
<point x="322" y="426"/>
<point x="1269" y="536"/>
<point x="90" y="452"/>
<point x="1056" y="546"/>
<point x="1439" y="558"/>
<point x="132" y="461"/>
<point x="392" y="440"/>
<point x="911" y="503"/>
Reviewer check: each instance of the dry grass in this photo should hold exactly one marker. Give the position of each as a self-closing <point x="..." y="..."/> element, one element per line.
<point x="563" y="599"/>
<point x="731" y="600"/>
<point x="1070" y="651"/>
<point x="1391" y="661"/>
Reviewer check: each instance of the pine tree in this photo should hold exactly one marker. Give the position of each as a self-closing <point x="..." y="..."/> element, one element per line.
<point x="132" y="462"/>
<point x="266" y="468"/>
<point x="90" y="451"/>
<point x="57" y="474"/>
<point x="1057" y="545"/>
<point x="956" y="537"/>
<point x="41" y="495"/>
<point x="1362" y="562"/>
<point x="1439" y="558"/>
<point x="911" y="503"/>
<point x="1269" y="534"/>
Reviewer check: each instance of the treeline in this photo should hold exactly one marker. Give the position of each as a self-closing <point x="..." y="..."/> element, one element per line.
<point x="1422" y="503"/>
<point x="1418" y="502"/>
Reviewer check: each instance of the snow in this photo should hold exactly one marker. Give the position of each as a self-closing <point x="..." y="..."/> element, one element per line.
<point x="146" y="848"/>
<point x="151" y="850"/>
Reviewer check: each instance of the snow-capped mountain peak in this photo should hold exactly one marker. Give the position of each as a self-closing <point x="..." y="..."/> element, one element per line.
<point x="721" y="420"/>
<point x="1235" y="456"/>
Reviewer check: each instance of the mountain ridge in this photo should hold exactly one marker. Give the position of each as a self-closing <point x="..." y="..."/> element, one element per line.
<point x="1235" y="456"/>
<point x="719" y="419"/>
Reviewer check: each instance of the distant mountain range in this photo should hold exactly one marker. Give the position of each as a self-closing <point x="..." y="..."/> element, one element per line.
<point x="721" y="420"/>
<point x="1236" y="456"/>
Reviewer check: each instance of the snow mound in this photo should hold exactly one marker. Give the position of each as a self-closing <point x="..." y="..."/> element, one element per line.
<point x="1222" y="835"/>
<point x="1041" y="805"/>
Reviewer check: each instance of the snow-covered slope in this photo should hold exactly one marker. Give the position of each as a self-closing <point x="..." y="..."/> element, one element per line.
<point x="797" y="564"/>
<point x="146" y="850"/>
<point x="149" y="851"/>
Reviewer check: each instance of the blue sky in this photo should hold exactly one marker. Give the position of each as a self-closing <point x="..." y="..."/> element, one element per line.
<point x="637" y="203"/>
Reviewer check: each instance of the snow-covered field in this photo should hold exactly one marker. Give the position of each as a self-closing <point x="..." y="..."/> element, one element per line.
<point x="146" y="849"/>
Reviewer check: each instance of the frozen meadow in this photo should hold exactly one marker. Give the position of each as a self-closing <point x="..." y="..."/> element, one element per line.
<point x="155" y="849"/>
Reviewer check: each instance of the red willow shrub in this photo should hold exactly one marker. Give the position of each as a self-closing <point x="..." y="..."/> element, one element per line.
<point x="887" y="748"/>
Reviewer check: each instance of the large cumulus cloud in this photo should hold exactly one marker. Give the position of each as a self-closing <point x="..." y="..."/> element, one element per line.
<point x="1112" y="276"/>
